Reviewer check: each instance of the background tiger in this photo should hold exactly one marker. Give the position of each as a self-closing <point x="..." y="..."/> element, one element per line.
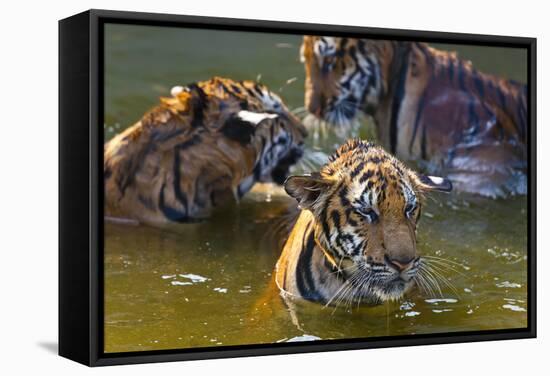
<point x="355" y="239"/>
<point x="210" y="142"/>
<point x="427" y="105"/>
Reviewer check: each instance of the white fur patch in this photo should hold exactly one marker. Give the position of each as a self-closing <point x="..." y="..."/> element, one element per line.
<point x="176" y="90"/>
<point x="436" y="180"/>
<point x="255" y="117"/>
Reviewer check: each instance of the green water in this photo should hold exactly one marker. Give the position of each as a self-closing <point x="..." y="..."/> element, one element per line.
<point x="207" y="284"/>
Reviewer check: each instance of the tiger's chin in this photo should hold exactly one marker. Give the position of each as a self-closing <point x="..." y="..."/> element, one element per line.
<point x="395" y="290"/>
<point x="342" y="120"/>
<point x="388" y="292"/>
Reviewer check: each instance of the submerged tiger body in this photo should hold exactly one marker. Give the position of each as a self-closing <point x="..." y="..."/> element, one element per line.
<point x="207" y="144"/>
<point x="355" y="238"/>
<point x="428" y="105"/>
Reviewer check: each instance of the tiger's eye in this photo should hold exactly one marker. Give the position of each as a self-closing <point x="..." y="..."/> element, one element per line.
<point x="369" y="214"/>
<point x="410" y="211"/>
<point x="328" y="64"/>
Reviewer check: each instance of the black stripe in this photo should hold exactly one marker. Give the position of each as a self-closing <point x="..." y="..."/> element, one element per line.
<point x="195" y="140"/>
<point x="354" y="56"/>
<point x="461" y="82"/>
<point x="158" y="135"/>
<point x="180" y="195"/>
<point x="324" y="224"/>
<point x="235" y="88"/>
<point x="361" y="46"/>
<point x="199" y="103"/>
<point x="398" y="99"/>
<point x="346" y="84"/>
<point x="350" y="220"/>
<point x="488" y="111"/>
<point x="343" y="199"/>
<point x="373" y="80"/>
<point x="357" y="170"/>
<point x="304" y="278"/>
<point x="169" y="212"/>
<point x="239" y="130"/>
<point x="418" y="115"/>
<point x="451" y="71"/>
<point x="422" y="144"/>
<point x="479" y="84"/>
<point x="343" y="43"/>
<point x="243" y="104"/>
<point x="335" y="216"/>
<point x="501" y="97"/>
<point x="225" y="89"/>
<point x="366" y="176"/>
<point x="324" y="212"/>
<point x="131" y="166"/>
<point x="359" y="248"/>
<point x="258" y="90"/>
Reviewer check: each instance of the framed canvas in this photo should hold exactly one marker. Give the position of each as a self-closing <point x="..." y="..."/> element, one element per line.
<point x="240" y="187"/>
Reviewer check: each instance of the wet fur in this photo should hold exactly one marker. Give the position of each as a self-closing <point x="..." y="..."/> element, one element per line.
<point x="428" y="105"/>
<point x="339" y="252"/>
<point x="206" y="145"/>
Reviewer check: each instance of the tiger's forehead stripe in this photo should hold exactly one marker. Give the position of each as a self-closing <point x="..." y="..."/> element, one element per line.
<point x="375" y="177"/>
<point x="325" y="46"/>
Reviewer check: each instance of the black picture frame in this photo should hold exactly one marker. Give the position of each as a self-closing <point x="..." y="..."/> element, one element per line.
<point x="81" y="187"/>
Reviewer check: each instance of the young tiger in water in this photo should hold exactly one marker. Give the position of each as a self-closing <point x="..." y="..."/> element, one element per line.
<point x="355" y="238"/>
<point x="428" y="105"/>
<point x="208" y="143"/>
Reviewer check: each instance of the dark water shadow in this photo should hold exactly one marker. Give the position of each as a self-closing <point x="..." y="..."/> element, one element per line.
<point x="51" y="347"/>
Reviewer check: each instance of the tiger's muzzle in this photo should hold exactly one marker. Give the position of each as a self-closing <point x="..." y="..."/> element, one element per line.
<point x="280" y="172"/>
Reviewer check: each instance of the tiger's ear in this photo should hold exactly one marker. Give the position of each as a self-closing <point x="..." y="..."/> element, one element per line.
<point x="306" y="189"/>
<point x="435" y="183"/>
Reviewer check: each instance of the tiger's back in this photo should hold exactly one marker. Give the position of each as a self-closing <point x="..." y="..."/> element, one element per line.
<point x="428" y="106"/>
<point x="207" y="144"/>
<point x="469" y="125"/>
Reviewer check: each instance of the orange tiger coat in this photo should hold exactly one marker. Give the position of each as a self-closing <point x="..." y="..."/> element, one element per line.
<point x="208" y="143"/>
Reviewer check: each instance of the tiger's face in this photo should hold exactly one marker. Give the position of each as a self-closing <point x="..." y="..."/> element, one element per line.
<point x="366" y="206"/>
<point x="282" y="139"/>
<point x="343" y="76"/>
<point x="254" y="116"/>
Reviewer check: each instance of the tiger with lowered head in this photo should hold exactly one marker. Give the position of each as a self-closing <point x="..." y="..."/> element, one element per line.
<point x="355" y="238"/>
<point x="208" y="143"/>
<point x="428" y="105"/>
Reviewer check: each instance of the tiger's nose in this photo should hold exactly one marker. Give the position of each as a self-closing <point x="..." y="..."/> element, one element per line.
<point x="399" y="263"/>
